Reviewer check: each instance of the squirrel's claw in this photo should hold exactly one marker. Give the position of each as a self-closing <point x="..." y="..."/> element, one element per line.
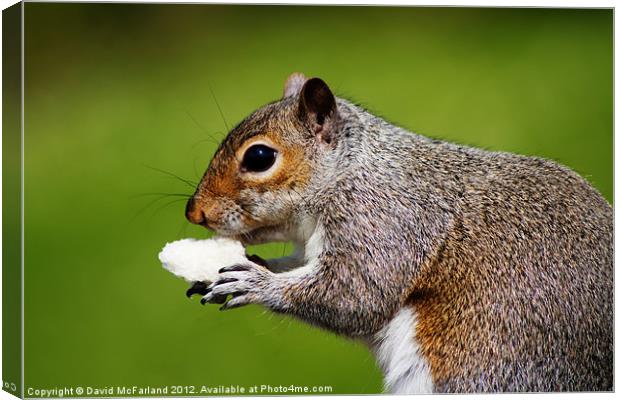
<point x="202" y="289"/>
<point x="214" y="299"/>
<point x="241" y="299"/>
<point x="197" y="288"/>
<point x="234" y="268"/>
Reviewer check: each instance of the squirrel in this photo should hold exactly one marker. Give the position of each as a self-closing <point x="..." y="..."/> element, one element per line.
<point x="463" y="270"/>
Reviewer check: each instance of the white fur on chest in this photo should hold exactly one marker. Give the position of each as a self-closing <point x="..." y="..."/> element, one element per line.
<point x="405" y="369"/>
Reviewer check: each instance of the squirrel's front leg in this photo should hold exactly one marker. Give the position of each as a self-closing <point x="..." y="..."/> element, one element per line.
<point x="309" y="294"/>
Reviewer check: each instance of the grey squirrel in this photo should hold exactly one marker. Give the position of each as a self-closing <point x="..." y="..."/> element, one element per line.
<point x="463" y="270"/>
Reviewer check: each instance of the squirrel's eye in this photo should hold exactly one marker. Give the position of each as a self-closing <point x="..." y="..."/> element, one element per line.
<point x="258" y="158"/>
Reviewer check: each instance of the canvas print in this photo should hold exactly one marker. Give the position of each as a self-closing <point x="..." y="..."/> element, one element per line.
<point x="210" y="200"/>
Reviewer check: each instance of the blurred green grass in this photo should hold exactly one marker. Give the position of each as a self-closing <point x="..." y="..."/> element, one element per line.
<point x="112" y="89"/>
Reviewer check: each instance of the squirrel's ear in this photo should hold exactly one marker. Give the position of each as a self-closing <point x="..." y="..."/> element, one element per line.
<point x="293" y="84"/>
<point x="317" y="106"/>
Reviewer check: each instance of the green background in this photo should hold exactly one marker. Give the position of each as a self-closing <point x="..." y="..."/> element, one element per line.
<point x="112" y="90"/>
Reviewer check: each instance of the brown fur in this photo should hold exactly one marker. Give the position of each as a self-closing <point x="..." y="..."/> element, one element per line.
<point x="483" y="287"/>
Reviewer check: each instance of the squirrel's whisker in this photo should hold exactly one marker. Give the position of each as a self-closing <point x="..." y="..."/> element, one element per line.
<point x="186" y="181"/>
<point x="166" y="205"/>
<point x="218" y="106"/>
<point x="187" y="196"/>
<point x="210" y="138"/>
<point x="160" y="196"/>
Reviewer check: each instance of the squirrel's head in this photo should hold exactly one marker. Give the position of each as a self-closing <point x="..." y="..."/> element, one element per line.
<point x="257" y="180"/>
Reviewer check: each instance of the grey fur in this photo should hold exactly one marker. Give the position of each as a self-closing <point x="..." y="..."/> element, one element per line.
<point x="512" y="254"/>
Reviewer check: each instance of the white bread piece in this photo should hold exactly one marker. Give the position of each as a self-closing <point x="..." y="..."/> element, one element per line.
<point x="200" y="260"/>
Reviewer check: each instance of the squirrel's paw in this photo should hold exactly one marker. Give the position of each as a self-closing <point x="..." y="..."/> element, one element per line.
<point x="245" y="282"/>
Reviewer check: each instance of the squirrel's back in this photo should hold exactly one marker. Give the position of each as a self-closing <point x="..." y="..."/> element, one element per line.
<point x="515" y="287"/>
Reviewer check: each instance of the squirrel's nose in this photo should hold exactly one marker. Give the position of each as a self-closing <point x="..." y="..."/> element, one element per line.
<point x="194" y="214"/>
